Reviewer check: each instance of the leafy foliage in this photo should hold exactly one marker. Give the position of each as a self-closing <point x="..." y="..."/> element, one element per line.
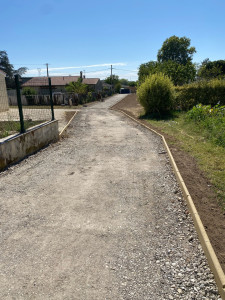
<point x="77" y="87"/>
<point x="205" y="92"/>
<point x="156" y="94"/>
<point x="210" y="119"/>
<point x="174" y="60"/>
<point x="29" y="93"/>
<point x="117" y="87"/>
<point x="179" y="74"/>
<point x="8" y="68"/>
<point x="176" y="49"/>
<point x="112" y="80"/>
<point x="147" y="69"/>
<point x="212" y="69"/>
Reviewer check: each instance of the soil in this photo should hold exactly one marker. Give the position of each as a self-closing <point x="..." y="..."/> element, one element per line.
<point x="199" y="186"/>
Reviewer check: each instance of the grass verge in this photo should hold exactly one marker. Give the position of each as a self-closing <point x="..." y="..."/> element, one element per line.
<point x="10" y="127"/>
<point x="192" y="139"/>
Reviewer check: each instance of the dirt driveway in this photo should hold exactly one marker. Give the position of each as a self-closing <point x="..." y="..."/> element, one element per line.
<point x="99" y="216"/>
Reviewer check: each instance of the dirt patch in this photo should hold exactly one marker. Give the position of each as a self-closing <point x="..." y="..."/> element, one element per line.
<point x="199" y="186"/>
<point x="69" y="115"/>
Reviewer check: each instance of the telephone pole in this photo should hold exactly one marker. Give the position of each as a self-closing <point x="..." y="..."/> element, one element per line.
<point x="111" y="76"/>
<point x="47" y="70"/>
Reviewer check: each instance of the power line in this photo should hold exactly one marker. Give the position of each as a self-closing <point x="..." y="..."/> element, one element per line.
<point x="126" y="70"/>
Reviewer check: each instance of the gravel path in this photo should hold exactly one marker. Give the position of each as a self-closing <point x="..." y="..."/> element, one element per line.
<point x="99" y="216"/>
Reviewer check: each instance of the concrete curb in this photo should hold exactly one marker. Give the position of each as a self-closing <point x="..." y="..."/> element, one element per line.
<point x="204" y="239"/>
<point x="63" y="131"/>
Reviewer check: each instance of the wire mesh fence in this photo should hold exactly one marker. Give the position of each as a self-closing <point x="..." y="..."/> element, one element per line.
<point x="23" y="108"/>
<point x="31" y="101"/>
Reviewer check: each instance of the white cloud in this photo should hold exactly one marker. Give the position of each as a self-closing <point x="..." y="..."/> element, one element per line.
<point x="43" y="71"/>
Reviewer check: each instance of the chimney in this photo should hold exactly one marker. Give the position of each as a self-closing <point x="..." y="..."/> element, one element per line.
<point x="81" y="74"/>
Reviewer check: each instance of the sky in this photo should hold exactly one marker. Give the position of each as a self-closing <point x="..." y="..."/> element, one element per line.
<point x="90" y="36"/>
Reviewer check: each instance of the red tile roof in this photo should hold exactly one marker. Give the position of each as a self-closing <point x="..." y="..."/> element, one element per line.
<point x="56" y="80"/>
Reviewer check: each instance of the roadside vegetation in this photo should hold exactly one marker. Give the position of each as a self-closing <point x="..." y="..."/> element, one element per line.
<point x="188" y="104"/>
<point x="10" y="127"/>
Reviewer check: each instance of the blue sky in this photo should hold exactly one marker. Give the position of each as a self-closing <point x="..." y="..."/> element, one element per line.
<point x="89" y="35"/>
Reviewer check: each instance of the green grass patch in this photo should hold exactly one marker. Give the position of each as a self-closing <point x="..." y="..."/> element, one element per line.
<point x="10" y="127"/>
<point x="198" y="140"/>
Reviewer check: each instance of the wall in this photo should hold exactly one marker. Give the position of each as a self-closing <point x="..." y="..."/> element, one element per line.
<point x="4" y="105"/>
<point x="16" y="147"/>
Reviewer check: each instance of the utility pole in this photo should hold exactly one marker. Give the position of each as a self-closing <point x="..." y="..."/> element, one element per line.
<point x="47" y="70"/>
<point x="111" y="76"/>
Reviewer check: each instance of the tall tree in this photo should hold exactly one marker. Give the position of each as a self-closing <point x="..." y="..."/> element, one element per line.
<point x="8" y="68"/>
<point x="176" y="49"/>
<point x="5" y="65"/>
<point x="146" y="69"/>
<point x="212" y="69"/>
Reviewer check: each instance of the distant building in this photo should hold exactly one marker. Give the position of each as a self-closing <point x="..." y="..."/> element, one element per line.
<point x="4" y="104"/>
<point x="40" y="84"/>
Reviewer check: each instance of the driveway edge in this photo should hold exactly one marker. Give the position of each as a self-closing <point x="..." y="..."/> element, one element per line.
<point x="203" y="237"/>
<point x="63" y="131"/>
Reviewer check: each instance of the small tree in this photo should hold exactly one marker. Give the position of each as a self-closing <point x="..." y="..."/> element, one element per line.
<point x="117" y="87"/>
<point x="77" y="87"/>
<point x="156" y="94"/>
<point x="29" y="93"/>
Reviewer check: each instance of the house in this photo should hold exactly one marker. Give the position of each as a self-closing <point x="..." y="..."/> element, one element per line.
<point x="4" y="104"/>
<point x="40" y="84"/>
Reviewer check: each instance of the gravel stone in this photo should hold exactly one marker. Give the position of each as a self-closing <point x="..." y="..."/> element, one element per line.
<point x="99" y="215"/>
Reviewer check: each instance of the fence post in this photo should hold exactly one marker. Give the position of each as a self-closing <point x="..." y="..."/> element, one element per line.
<point x="19" y="103"/>
<point x="51" y="101"/>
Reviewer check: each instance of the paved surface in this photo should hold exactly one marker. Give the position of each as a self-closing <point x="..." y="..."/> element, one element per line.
<point x="99" y="216"/>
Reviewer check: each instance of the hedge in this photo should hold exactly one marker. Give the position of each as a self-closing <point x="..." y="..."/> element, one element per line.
<point x="205" y="92"/>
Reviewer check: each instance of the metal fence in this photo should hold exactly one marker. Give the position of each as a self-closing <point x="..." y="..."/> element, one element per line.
<point x="25" y="109"/>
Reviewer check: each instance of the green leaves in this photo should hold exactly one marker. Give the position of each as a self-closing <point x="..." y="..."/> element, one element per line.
<point x="77" y="88"/>
<point x="176" y="49"/>
<point x="156" y="94"/>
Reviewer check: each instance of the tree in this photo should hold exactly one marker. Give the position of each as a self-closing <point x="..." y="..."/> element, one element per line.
<point x="124" y="81"/>
<point x="212" y="69"/>
<point x="29" y="93"/>
<point x="146" y="69"/>
<point x="179" y="74"/>
<point x="117" y="87"/>
<point x="112" y="80"/>
<point x="176" y="49"/>
<point x="8" y="68"/>
<point x="5" y="65"/>
<point x="174" y="60"/>
<point x="77" y="87"/>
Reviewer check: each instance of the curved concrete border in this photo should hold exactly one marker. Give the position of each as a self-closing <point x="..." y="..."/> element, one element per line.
<point x="63" y="131"/>
<point x="204" y="239"/>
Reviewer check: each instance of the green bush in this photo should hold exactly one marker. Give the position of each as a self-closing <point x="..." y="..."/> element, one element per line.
<point x="205" y="92"/>
<point x="211" y="120"/>
<point x="29" y="93"/>
<point x="156" y="94"/>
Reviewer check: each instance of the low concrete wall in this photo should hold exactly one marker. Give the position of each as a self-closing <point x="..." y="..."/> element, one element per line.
<point x="18" y="146"/>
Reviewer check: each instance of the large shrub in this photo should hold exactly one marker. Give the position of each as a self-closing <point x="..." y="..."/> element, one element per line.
<point x="156" y="94"/>
<point x="205" y="92"/>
